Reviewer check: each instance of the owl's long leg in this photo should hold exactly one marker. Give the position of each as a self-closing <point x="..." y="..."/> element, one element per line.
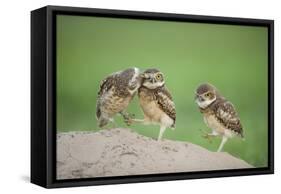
<point x="223" y="141"/>
<point x="162" y="130"/>
<point x="138" y="120"/>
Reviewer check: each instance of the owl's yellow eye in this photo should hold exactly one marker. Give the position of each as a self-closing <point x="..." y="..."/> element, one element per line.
<point x="208" y="95"/>
<point x="158" y="76"/>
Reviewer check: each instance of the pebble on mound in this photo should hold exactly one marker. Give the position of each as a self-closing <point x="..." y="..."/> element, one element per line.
<point x="118" y="152"/>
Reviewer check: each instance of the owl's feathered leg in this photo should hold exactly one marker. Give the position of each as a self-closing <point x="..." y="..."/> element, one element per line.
<point x="223" y="141"/>
<point x="161" y="132"/>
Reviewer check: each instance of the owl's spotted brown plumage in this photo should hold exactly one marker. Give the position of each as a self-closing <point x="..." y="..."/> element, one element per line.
<point x="219" y="114"/>
<point x="116" y="92"/>
<point x="156" y="101"/>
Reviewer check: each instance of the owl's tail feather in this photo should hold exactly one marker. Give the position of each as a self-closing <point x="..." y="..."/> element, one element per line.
<point x="98" y="111"/>
<point x="241" y="134"/>
<point x="173" y="127"/>
<point x="102" y="122"/>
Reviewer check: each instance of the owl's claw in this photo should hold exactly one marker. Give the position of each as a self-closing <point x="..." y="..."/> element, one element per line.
<point x="128" y="118"/>
<point x="128" y="121"/>
<point x="207" y="136"/>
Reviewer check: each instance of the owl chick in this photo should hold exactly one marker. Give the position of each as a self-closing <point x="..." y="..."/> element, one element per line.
<point x="156" y="102"/>
<point x="116" y="92"/>
<point x="219" y="114"/>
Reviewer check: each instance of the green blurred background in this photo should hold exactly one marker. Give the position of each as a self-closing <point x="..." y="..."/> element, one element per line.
<point x="233" y="58"/>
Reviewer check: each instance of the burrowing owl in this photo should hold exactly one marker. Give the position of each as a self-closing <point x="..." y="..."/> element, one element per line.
<point x="219" y="114"/>
<point x="116" y="92"/>
<point x="156" y="101"/>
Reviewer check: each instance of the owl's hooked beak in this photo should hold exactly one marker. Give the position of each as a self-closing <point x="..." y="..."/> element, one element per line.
<point x="152" y="80"/>
<point x="198" y="98"/>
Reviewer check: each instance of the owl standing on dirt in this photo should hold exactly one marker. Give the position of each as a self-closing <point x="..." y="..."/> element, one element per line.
<point x="219" y="114"/>
<point x="156" y="101"/>
<point x="116" y="92"/>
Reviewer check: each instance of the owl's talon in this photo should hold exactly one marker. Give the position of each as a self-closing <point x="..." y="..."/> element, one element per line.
<point x="127" y="118"/>
<point x="208" y="137"/>
<point x="128" y="121"/>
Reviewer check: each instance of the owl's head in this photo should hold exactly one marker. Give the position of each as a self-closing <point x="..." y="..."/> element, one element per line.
<point x="205" y="95"/>
<point x="152" y="79"/>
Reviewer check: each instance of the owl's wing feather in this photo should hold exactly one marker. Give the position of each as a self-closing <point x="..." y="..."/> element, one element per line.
<point x="227" y="115"/>
<point x="106" y="84"/>
<point x="165" y="102"/>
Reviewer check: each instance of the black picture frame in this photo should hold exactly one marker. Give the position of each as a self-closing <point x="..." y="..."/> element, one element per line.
<point x="43" y="95"/>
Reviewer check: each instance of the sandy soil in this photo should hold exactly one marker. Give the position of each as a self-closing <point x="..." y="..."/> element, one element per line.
<point x="118" y="152"/>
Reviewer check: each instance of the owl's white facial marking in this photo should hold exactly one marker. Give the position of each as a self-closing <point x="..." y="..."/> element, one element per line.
<point x="151" y="85"/>
<point x="204" y="104"/>
<point x="203" y="101"/>
<point x="153" y="80"/>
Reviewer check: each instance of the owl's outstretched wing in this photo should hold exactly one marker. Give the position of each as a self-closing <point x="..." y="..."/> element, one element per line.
<point x="228" y="117"/>
<point x="165" y="102"/>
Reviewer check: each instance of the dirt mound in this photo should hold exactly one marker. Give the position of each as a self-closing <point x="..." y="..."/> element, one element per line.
<point x="118" y="152"/>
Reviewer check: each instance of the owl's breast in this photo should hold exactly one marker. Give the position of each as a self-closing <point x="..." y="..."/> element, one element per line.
<point x="151" y="110"/>
<point x="213" y="123"/>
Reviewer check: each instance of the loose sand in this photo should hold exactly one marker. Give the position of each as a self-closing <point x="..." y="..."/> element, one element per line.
<point x="118" y="152"/>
